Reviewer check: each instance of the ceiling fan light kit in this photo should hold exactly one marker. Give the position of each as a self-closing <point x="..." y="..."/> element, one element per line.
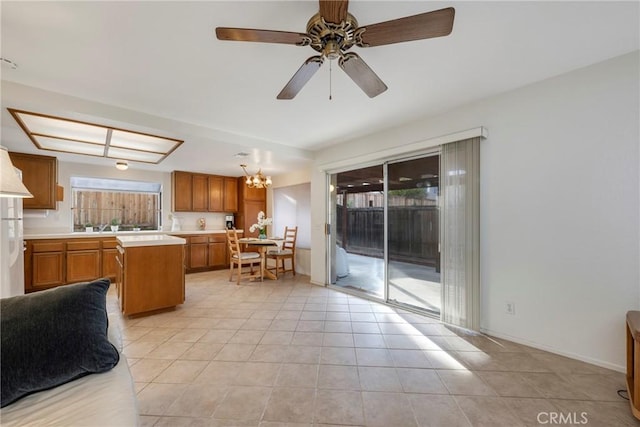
<point x="333" y="31"/>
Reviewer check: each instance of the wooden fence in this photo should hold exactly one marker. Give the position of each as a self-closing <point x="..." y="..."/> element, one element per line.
<point x="413" y="233"/>
<point x="128" y="209"/>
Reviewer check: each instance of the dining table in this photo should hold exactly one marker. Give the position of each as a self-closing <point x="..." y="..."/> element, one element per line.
<point x="263" y="245"/>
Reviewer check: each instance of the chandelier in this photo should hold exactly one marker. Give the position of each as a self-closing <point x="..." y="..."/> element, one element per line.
<point x="258" y="180"/>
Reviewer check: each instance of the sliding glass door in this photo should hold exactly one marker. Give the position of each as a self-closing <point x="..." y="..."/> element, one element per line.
<point x="413" y="233"/>
<point x="357" y="230"/>
<point x="385" y="232"/>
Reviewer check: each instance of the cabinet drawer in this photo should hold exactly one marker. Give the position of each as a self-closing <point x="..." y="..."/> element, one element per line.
<point x="109" y="244"/>
<point x="198" y="239"/>
<point x="83" y="246"/>
<point x="218" y="238"/>
<point x="48" y="247"/>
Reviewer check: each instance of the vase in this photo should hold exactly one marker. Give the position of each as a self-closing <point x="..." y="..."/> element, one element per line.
<point x="262" y="235"/>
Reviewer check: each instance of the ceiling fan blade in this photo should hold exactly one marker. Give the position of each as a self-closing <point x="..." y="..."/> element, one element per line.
<point x="334" y="11"/>
<point x="264" y="36"/>
<point x="360" y="73"/>
<point x="417" y="27"/>
<point x="301" y="77"/>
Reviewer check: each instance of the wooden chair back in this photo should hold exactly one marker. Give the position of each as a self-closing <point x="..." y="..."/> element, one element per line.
<point x="290" y="236"/>
<point x="232" y="241"/>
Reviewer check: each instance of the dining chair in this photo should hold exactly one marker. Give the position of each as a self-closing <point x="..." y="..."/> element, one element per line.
<point x="240" y="259"/>
<point x="288" y="251"/>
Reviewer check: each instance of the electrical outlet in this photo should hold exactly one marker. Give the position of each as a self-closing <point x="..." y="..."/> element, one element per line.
<point x="510" y="308"/>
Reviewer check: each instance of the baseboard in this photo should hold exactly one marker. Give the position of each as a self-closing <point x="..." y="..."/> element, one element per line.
<point x="597" y="362"/>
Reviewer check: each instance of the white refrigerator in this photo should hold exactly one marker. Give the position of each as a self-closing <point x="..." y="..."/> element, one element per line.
<point x="11" y="247"/>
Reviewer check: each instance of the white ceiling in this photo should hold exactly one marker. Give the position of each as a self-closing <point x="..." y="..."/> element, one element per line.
<point x="160" y="64"/>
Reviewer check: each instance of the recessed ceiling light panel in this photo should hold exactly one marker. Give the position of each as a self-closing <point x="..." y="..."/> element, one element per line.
<point x="65" y="146"/>
<point x="72" y="136"/>
<point x="136" y="156"/>
<point x="55" y="128"/>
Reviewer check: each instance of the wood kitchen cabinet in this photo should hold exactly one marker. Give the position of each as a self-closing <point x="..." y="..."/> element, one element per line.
<point x="109" y="254"/>
<point x="83" y="261"/>
<point x="44" y="265"/>
<point x="142" y="289"/>
<point x="230" y="195"/>
<point x="205" y="252"/>
<point x="216" y="193"/>
<point x="250" y="202"/>
<point x="181" y="188"/>
<point x="217" y="256"/>
<point x="198" y="252"/>
<point x="55" y="262"/>
<point x="196" y="192"/>
<point x="40" y="176"/>
<point x="200" y="192"/>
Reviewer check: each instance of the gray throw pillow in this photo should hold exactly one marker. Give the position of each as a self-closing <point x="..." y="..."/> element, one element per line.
<point x="51" y="337"/>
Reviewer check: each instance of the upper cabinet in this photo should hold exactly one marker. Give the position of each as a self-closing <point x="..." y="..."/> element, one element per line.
<point x="181" y="198"/>
<point x="230" y="194"/>
<point x="246" y="193"/>
<point x="200" y="193"/>
<point x="197" y="192"/>
<point x="40" y="176"/>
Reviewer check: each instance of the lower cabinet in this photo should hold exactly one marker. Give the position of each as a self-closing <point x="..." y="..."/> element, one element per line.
<point x="54" y="262"/>
<point x="45" y="266"/>
<point x="83" y="261"/>
<point x="49" y="263"/>
<point x="109" y="254"/>
<point x="198" y="252"/>
<point x="206" y="252"/>
<point x="218" y="252"/>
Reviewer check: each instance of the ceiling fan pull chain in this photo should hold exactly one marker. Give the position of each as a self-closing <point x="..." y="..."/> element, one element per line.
<point x="330" y="98"/>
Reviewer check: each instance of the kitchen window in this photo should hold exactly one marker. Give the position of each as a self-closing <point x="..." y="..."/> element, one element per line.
<point x="100" y="203"/>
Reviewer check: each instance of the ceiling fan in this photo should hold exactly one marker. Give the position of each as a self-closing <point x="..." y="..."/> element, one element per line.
<point x="333" y="31"/>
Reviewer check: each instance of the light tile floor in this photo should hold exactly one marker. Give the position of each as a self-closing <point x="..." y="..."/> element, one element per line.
<point x="288" y="353"/>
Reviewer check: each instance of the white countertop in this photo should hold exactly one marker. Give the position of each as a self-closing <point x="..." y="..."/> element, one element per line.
<point x="84" y="235"/>
<point x="149" y="240"/>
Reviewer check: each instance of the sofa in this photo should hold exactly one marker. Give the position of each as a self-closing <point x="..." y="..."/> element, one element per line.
<point x="62" y="361"/>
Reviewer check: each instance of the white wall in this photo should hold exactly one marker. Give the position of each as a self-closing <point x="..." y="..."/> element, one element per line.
<point x="302" y="176"/>
<point x="559" y="207"/>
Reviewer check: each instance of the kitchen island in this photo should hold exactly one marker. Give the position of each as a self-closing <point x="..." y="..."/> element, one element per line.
<point x="150" y="272"/>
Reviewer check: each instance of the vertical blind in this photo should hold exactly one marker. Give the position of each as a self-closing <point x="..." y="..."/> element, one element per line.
<point x="460" y="233"/>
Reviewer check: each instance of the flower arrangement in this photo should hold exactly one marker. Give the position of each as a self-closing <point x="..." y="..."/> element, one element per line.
<point x="261" y="226"/>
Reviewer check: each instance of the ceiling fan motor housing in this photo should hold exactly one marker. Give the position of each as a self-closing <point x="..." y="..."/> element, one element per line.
<point x="332" y="39"/>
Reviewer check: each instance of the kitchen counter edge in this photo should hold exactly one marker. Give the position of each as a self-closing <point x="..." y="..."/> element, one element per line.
<point x="83" y="235"/>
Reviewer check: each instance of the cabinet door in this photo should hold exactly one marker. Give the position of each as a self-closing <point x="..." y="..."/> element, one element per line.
<point x="255" y="193"/>
<point x="120" y="278"/>
<point x="109" y="264"/>
<point x="251" y="210"/>
<point x="198" y="255"/>
<point x="181" y="191"/>
<point x="230" y="195"/>
<point x="218" y="255"/>
<point x="47" y="270"/>
<point x="40" y="176"/>
<point x="83" y="266"/>
<point x="216" y="184"/>
<point x="200" y="192"/>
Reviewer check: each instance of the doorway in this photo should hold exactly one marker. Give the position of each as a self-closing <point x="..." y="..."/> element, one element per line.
<point x="385" y="232"/>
